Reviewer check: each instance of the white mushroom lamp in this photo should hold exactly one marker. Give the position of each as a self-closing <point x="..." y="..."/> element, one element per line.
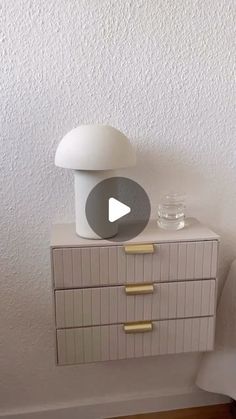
<point x="94" y="152"/>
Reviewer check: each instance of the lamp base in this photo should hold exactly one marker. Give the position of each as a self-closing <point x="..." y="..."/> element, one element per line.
<point x="85" y="181"/>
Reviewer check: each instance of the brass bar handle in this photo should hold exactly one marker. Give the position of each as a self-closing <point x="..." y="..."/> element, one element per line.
<point x="138" y="327"/>
<point x="134" y="249"/>
<point x="139" y="289"/>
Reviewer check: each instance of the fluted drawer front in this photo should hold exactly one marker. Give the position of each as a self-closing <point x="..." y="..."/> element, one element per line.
<point x="109" y="305"/>
<point x="103" y="343"/>
<point x="111" y="265"/>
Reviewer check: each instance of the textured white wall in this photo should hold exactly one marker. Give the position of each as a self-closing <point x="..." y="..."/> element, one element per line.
<point x="162" y="72"/>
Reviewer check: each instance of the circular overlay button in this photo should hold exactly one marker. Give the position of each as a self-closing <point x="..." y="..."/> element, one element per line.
<point x="118" y="209"/>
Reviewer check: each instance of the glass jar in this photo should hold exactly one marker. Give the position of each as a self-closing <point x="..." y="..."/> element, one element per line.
<point x="171" y="211"/>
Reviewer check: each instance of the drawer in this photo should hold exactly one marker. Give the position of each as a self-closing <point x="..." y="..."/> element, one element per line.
<point x="110" y="342"/>
<point x="110" y="305"/>
<point x="111" y="265"/>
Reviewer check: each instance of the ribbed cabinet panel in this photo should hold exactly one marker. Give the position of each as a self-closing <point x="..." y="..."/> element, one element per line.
<point x="102" y="266"/>
<point x="93" y="302"/>
<point x="104" y="343"/>
<point x="110" y="305"/>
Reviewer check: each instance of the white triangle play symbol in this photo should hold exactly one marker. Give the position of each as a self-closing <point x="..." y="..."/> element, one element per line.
<point x="117" y="209"/>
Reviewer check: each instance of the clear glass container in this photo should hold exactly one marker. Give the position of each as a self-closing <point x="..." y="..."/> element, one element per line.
<point x="171" y="211"/>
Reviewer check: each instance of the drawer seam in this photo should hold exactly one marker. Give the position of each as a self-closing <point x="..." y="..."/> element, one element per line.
<point x="138" y="283"/>
<point x="136" y="321"/>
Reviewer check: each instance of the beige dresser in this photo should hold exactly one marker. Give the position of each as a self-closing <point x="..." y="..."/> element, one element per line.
<point x="153" y="295"/>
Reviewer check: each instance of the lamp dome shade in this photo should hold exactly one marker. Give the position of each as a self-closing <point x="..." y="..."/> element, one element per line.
<point x="95" y="147"/>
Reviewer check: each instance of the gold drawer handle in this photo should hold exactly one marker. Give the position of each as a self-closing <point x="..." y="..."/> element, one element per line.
<point x="136" y="289"/>
<point x="132" y="249"/>
<point x="138" y="327"/>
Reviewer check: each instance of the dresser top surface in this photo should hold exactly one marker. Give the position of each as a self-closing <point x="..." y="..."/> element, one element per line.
<point x="64" y="235"/>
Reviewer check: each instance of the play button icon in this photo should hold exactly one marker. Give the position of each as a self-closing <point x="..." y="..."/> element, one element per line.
<point x="117" y="210"/>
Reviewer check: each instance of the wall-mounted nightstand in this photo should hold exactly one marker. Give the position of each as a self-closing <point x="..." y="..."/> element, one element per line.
<point x="153" y="295"/>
